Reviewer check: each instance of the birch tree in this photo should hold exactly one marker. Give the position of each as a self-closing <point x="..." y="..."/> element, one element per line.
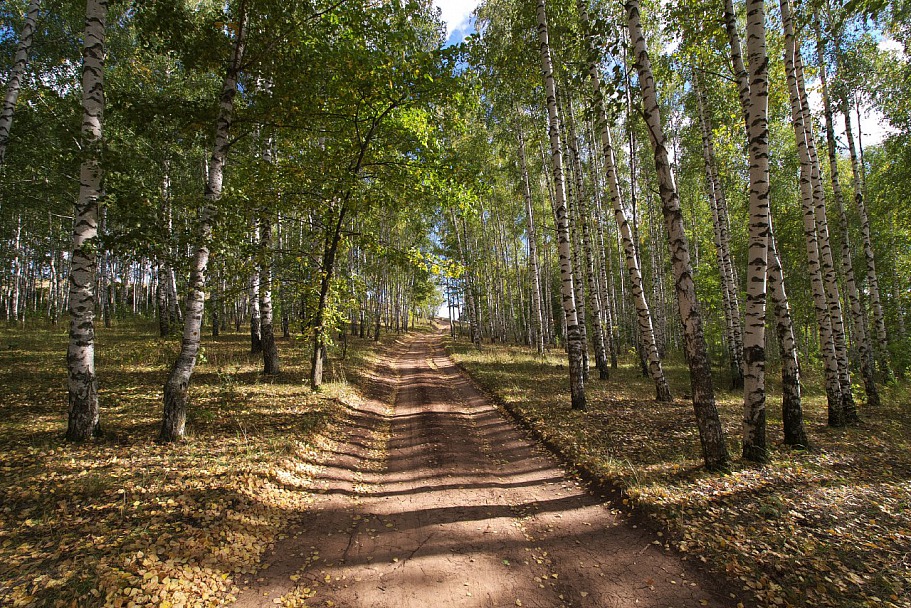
<point x="587" y="261"/>
<point x="826" y="259"/>
<point x="82" y="384"/>
<point x="14" y="84"/>
<point x="792" y="414"/>
<point x="178" y="383"/>
<point x="824" y="321"/>
<point x="574" y="342"/>
<point x="858" y="317"/>
<point x="711" y="434"/>
<point x="271" y="364"/>
<point x="791" y="407"/>
<point x="880" y="347"/>
<point x="754" y="355"/>
<point x="643" y="313"/>
<point x="718" y="208"/>
<point x="537" y="317"/>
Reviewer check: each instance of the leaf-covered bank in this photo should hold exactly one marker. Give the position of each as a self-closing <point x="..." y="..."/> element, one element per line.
<point x="128" y="522"/>
<point x="827" y="527"/>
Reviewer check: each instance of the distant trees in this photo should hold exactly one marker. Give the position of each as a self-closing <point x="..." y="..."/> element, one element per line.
<point x="367" y="163"/>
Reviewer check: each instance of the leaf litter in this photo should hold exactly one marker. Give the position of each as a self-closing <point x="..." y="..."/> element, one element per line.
<point x="826" y="527"/>
<point x="124" y="521"/>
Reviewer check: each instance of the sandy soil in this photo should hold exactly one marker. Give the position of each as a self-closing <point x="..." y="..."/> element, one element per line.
<point x="438" y="500"/>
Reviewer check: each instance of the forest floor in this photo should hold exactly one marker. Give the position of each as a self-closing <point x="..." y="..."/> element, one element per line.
<point x="401" y="484"/>
<point x="439" y="500"/>
<point x="413" y="491"/>
<point x="124" y="521"/>
<point x="830" y="526"/>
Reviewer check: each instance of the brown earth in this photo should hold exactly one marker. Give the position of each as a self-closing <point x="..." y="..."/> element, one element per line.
<point x="441" y="501"/>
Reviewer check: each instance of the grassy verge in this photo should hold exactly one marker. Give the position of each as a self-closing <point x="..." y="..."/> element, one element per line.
<point x="827" y="527"/>
<point x="127" y="522"/>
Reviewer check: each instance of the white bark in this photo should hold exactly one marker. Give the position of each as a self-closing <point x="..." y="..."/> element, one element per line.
<point x="16" y="287"/>
<point x="880" y="345"/>
<point x="178" y="382"/>
<point x="791" y="408"/>
<point x="643" y="313"/>
<point x="537" y="317"/>
<point x="711" y="433"/>
<point x="857" y="314"/>
<point x="827" y="261"/>
<point x="14" y="84"/>
<point x="824" y="322"/>
<point x="587" y="263"/>
<point x="82" y="383"/>
<point x="718" y="207"/>
<point x="754" y="354"/>
<point x="573" y="337"/>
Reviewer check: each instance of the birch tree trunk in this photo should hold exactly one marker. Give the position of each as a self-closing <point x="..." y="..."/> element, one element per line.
<point x="537" y="317"/>
<point x="643" y="314"/>
<point x="14" y="84"/>
<point x="824" y="322"/>
<point x="578" y="280"/>
<point x="330" y="251"/>
<point x="256" y="338"/>
<point x="711" y="434"/>
<point x="741" y="76"/>
<point x="574" y="342"/>
<point x="178" y="383"/>
<point x="606" y="274"/>
<point x="82" y="383"/>
<point x="829" y="270"/>
<point x="271" y="364"/>
<point x="880" y="345"/>
<point x="791" y="409"/>
<point x="858" y="316"/>
<point x="718" y="207"/>
<point x="162" y="290"/>
<point x="790" y="372"/>
<point x="583" y="215"/>
<point x="16" y="279"/>
<point x="754" y="353"/>
<point x="161" y="298"/>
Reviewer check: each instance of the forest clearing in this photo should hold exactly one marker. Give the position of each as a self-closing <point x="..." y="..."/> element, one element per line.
<point x="669" y="242"/>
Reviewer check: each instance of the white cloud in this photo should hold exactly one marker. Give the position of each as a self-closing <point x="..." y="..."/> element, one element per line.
<point x="456" y="12"/>
<point x="874" y="127"/>
<point x="889" y="44"/>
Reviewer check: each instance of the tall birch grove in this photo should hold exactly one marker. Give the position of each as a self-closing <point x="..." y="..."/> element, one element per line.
<point x="695" y="195"/>
<point x="711" y="433"/>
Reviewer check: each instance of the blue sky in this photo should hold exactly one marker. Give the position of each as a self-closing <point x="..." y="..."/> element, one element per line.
<point x="456" y="14"/>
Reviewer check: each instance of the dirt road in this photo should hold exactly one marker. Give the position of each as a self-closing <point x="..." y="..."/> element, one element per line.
<point x="439" y="501"/>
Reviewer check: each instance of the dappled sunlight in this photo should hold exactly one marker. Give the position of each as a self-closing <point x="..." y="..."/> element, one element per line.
<point x="828" y="523"/>
<point x="124" y="519"/>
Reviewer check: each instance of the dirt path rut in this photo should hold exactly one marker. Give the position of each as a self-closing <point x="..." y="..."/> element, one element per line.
<point x="440" y="501"/>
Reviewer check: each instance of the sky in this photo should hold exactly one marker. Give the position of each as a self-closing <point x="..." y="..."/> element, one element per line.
<point x="456" y="15"/>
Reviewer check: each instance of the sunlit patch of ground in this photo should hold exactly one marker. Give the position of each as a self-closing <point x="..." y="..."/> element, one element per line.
<point x="124" y="521"/>
<point x="826" y="527"/>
